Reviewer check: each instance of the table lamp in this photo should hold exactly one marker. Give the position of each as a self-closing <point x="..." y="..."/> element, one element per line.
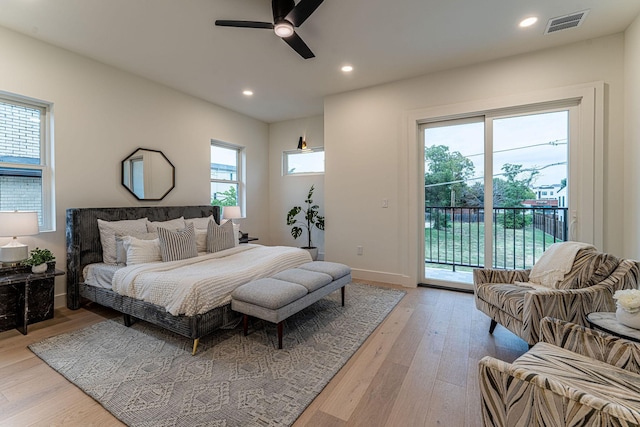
<point x="13" y="224"/>
<point x="230" y="213"/>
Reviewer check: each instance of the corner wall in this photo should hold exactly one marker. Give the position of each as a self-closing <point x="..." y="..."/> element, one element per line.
<point x="364" y="143"/>
<point x="103" y="114"/>
<point x="631" y="187"/>
<point x="286" y="192"/>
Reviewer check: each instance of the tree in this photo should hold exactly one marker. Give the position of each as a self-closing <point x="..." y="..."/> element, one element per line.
<point x="445" y="175"/>
<point x="510" y="193"/>
<point x="226" y="198"/>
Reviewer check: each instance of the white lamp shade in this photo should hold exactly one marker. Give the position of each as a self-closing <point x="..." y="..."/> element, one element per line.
<point x="231" y="212"/>
<point x="18" y="223"/>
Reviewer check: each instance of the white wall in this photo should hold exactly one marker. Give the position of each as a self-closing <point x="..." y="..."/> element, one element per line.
<point x="288" y="191"/>
<point x="102" y="115"/>
<point x="632" y="141"/>
<point x="364" y="142"/>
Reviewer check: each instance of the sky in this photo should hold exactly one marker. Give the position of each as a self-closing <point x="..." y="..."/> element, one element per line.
<point x="533" y="141"/>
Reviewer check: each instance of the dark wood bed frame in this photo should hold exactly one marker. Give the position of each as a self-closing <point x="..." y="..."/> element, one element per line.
<point x="84" y="247"/>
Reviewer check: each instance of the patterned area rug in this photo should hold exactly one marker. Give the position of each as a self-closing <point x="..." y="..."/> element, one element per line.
<point x="146" y="376"/>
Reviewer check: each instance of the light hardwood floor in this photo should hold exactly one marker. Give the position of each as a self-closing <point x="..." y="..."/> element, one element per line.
<point x="419" y="368"/>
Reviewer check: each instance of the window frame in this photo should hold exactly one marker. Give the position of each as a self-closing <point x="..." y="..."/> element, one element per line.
<point x="46" y="165"/>
<point x="240" y="177"/>
<point x="285" y="161"/>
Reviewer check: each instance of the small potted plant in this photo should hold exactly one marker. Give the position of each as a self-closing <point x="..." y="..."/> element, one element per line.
<point x="38" y="259"/>
<point x="311" y="219"/>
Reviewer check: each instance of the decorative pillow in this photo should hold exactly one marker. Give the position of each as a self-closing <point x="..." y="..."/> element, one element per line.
<point x="140" y="251"/>
<point x="199" y="223"/>
<point x="220" y="237"/>
<point x="201" y="240"/>
<point x="172" y="224"/>
<point x="108" y="231"/>
<point x="121" y="251"/>
<point x="236" y="231"/>
<point x="176" y="245"/>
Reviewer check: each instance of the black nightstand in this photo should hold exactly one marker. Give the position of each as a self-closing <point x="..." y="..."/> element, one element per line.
<point x="247" y="239"/>
<point x="25" y="297"/>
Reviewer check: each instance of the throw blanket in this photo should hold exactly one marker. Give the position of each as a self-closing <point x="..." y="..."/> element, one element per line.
<point x="555" y="262"/>
<point x="197" y="285"/>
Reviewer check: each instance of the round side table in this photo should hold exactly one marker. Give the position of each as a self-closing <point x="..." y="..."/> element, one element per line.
<point x="606" y="321"/>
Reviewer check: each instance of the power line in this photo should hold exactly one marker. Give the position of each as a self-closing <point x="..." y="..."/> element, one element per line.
<point x="554" y="143"/>
<point x="495" y="175"/>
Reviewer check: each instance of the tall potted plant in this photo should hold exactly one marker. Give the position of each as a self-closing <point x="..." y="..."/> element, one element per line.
<point x="310" y="219"/>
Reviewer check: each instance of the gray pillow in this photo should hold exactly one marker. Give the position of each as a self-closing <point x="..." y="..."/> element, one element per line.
<point x="220" y="237"/>
<point x="176" y="245"/>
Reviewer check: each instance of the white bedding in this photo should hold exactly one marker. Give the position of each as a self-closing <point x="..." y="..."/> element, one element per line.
<point x="197" y="285"/>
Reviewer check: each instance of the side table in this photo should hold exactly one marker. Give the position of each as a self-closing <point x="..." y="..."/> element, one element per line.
<point x="247" y="239"/>
<point x="606" y="321"/>
<point x="26" y="297"/>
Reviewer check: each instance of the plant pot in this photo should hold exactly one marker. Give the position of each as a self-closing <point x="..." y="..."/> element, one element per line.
<point x="40" y="268"/>
<point x="631" y="320"/>
<point x="313" y="252"/>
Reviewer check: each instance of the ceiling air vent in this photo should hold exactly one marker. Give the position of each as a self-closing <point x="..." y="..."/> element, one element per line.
<point x="565" y="22"/>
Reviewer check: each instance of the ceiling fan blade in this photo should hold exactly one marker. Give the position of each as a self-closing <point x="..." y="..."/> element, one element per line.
<point x="299" y="46"/>
<point x="244" y="24"/>
<point x="302" y="11"/>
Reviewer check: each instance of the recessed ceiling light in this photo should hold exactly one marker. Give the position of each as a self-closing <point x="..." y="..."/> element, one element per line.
<point x="347" y="69"/>
<point x="527" y="22"/>
<point x="247" y="92"/>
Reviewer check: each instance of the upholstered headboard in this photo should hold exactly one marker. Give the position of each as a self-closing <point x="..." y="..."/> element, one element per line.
<point x="83" y="236"/>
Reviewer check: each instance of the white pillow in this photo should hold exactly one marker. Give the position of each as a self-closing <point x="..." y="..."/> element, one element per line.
<point x="121" y="252"/>
<point x="141" y="251"/>
<point x="172" y="224"/>
<point x="108" y="231"/>
<point x="201" y="240"/>
<point x="199" y="223"/>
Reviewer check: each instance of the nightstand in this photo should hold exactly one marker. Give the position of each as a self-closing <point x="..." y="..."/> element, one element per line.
<point x="247" y="239"/>
<point x="25" y="297"/>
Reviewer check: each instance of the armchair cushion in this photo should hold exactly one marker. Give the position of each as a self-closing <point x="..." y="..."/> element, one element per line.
<point x="510" y="298"/>
<point x="550" y="385"/>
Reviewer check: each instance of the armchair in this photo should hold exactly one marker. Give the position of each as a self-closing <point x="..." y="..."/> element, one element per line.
<point x="574" y="377"/>
<point x="504" y="296"/>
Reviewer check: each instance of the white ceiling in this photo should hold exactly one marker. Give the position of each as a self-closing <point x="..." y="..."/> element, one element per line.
<point x="175" y="42"/>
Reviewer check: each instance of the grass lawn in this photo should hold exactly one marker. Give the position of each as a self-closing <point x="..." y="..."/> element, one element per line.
<point x="462" y="243"/>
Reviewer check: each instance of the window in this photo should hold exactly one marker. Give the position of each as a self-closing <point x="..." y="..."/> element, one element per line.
<point x="25" y="158"/>
<point x="297" y="162"/>
<point x="226" y="174"/>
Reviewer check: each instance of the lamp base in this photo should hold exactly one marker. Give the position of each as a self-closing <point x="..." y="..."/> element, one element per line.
<point x="13" y="253"/>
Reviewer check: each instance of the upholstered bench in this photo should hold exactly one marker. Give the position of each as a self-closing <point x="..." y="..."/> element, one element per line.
<point x="276" y="298"/>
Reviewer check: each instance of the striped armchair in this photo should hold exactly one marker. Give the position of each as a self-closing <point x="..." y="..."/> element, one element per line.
<point x="574" y="377"/>
<point x="588" y="287"/>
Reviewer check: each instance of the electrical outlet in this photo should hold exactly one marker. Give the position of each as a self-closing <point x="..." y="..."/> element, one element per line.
<point x="360" y="250"/>
<point x="385" y="203"/>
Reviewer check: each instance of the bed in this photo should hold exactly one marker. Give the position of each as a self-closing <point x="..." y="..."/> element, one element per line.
<point x="84" y="247"/>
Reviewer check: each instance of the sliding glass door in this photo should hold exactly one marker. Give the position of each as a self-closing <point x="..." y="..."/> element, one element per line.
<point x="496" y="191"/>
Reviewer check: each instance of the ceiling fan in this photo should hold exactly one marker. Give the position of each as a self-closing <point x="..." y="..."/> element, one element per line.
<point x="286" y="16"/>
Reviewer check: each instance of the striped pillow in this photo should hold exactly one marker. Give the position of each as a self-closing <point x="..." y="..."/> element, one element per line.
<point x="220" y="237"/>
<point x="176" y="245"/>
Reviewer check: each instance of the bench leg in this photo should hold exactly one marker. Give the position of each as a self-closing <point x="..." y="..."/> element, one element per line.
<point x="280" y="335"/>
<point x="245" y="324"/>
<point x="127" y="320"/>
<point x="342" y="293"/>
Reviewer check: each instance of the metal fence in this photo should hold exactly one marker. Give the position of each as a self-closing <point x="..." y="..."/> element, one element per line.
<point x="456" y="236"/>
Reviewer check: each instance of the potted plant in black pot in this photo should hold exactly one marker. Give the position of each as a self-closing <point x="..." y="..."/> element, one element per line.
<point x="39" y="260"/>
<point x="310" y="219"/>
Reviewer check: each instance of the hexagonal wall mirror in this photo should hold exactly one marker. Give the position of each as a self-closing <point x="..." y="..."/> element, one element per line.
<point x="148" y="174"/>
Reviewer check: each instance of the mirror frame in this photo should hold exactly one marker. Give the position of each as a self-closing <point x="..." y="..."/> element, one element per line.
<point x="128" y="158"/>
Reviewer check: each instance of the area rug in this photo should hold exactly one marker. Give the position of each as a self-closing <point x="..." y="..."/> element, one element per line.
<point x="146" y="376"/>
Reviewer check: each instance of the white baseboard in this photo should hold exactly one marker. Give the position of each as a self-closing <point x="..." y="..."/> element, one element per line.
<point x="380" y="276"/>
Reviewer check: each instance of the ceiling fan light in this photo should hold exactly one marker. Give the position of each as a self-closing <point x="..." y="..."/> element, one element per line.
<point x="283" y="29"/>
